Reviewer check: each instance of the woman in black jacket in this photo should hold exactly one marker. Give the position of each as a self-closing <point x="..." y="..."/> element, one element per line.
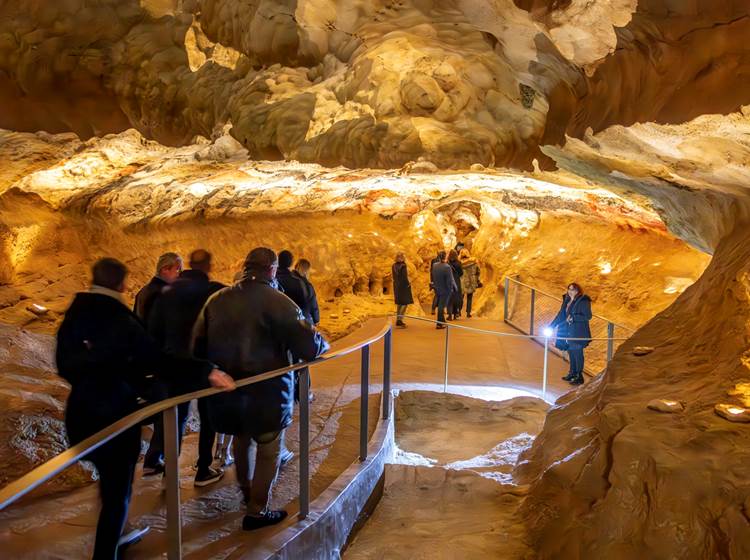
<point x="573" y="332"/>
<point x="401" y="288"/>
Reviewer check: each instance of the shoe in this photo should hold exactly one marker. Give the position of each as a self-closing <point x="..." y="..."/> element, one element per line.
<point x="132" y="535"/>
<point x="209" y="476"/>
<point x="568" y="377"/>
<point x="468" y="315"/>
<point x="439" y="326"/>
<point x="286" y="456"/>
<point x="153" y="471"/>
<point x="268" y="517"/>
<point x="577" y="380"/>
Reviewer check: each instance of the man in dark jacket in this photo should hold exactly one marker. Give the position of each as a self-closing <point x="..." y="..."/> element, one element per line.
<point x="251" y="328"/>
<point x="168" y="269"/>
<point x="289" y="283"/>
<point x="171" y="322"/>
<point x="445" y="286"/>
<point x="439" y="258"/>
<point x="105" y="354"/>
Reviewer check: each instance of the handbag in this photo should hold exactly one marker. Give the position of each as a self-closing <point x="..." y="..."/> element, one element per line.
<point x="563" y="331"/>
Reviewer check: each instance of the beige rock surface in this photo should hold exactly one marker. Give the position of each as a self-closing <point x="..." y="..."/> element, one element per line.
<point x="369" y="83"/>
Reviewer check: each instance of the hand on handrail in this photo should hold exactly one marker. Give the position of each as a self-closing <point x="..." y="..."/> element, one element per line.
<point x="220" y="380"/>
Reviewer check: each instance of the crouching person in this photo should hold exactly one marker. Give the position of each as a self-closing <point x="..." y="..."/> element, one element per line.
<point x="251" y="328"/>
<point x="105" y="354"/>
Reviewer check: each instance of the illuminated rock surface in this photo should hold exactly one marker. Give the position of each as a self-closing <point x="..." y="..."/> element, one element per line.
<point x="206" y="97"/>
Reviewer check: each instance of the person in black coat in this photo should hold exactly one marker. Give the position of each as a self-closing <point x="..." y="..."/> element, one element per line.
<point x="457" y="298"/>
<point x="445" y="287"/>
<point x="171" y="324"/>
<point x="309" y="307"/>
<point x="168" y="269"/>
<point x="248" y="329"/>
<point x="572" y="322"/>
<point x="401" y="288"/>
<point x="107" y="356"/>
<point x="439" y="258"/>
<point x="288" y="282"/>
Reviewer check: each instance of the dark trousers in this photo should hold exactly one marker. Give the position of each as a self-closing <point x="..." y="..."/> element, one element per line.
<point x="469" y="298"/>
<point x="155" y="453"/>
<point x="575" y="355"/>
<point x="442" y="302"/>
<point x="456" y="303"/>
<point x="115" y="462"/>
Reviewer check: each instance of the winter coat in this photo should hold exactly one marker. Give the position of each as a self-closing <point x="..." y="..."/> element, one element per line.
<point x="292" y="286"/>
<point x="470" y="279"/>
<point x="309" y="307"/>
<point x="147" y="296"/>
<point x="458" y="272"/>
<point x="401" y="286"/>
<point x="248" y="329"/>
<point x="573" y="322"/>
<point x="443" y="279"/>
<point x="105" y="353"/>
<point x="175" y="311"/>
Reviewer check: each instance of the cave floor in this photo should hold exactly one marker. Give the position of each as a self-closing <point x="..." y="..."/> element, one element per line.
<point x="480" y="365"/>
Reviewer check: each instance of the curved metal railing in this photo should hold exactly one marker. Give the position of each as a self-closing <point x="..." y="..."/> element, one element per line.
<point x="544" y="339"/>
<point x="48" y="470"/>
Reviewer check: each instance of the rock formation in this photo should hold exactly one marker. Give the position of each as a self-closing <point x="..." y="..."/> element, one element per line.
<point x="369" y="83"/>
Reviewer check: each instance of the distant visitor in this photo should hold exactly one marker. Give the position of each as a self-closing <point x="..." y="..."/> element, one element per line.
<point x="573" y="332"/>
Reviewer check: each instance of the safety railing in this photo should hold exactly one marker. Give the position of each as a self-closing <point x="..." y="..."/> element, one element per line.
<point x="544" y="338"/>
<point x="530" y="310"/>
<point x="19" y="488"/>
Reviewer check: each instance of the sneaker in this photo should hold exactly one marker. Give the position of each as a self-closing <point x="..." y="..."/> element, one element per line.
<point x="153" y="471"/>
<point x="209" y="476"/>
<point x="132" y="535"/>
<point x="568" y="377"/>
<point x="268" y="517"/>
<point x="286" y="456"/>
<point x="577" y="380"/>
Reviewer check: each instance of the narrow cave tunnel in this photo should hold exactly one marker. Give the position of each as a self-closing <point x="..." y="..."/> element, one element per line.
<point x="253" y="179"/>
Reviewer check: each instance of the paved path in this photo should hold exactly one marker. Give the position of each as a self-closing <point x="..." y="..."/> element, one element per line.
<point x="480" y="365"/>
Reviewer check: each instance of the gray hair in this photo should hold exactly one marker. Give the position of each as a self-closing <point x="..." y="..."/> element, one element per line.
<point x="168" y="260"/>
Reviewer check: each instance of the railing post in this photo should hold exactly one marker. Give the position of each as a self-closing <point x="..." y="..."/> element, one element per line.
<point x="363" y="412"/>
<point x="506" y="299"/>
<point x="387" y="342"/>
<point x="544" y="373"/>
<point x="445" y="364"/>
<point x="531" y="313"/>
<point x="610" y="341"/>
<point x="304" y="442"/>
<point x="172" y="477"/>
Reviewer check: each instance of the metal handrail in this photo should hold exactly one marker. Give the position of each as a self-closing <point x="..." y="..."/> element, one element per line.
<point x="500" y="333"/>
<point x="41" y="474"/>
<point x="557" y="298"/>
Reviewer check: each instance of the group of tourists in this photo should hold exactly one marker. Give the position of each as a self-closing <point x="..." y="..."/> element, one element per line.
<point x="187" y="332"/>
<point x="453" y="275"/>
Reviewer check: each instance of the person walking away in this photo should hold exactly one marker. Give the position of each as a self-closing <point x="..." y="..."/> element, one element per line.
<point x="290" y="284"/>
<point x="454" y="306"/>
<point x="168" y="269"/>
<point x="401" y="288"/>
<point x="439" y="258"/>
<point x="470" y="282"/>
<point x="309" y="307"/>
<point x="251" y="328"/>
<point x="445" y="287"/>
<point x="573" y="331"/>
<point x="171" y="325"/>
<point x="105" y="354"/>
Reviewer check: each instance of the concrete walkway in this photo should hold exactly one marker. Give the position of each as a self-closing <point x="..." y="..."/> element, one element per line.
<point x="480" y="365"/>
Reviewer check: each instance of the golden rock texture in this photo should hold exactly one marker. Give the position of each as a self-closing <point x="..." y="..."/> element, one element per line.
<point x="369" y="83"/>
